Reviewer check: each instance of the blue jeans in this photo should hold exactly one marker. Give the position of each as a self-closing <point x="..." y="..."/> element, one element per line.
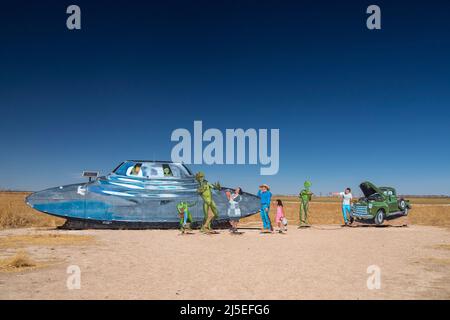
<point x="346" y="208"/>
<point x="265" y="216"/>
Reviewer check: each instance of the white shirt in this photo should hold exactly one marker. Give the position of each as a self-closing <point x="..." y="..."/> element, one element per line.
<point x="346" y="198"/>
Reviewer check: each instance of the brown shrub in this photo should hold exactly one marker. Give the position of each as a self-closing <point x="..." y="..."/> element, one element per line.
<point x="19" y="261"/>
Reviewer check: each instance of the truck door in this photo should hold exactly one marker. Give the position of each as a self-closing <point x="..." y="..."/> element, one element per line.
<point x="392" y="201"/>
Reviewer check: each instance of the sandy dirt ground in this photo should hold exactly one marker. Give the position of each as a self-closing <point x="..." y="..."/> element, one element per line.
<point x="326" y="262"/>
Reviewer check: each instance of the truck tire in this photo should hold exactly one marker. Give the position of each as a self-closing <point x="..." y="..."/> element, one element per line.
<point x="405" y="212"/>
<point x="379" y="217"/>
<point x="402" y="204"/>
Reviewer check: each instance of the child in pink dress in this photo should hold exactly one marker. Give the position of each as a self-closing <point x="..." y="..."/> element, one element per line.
<point x="280" y="217"/>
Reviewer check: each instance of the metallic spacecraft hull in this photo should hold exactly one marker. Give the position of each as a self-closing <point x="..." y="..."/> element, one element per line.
<point x="121" y="201"/>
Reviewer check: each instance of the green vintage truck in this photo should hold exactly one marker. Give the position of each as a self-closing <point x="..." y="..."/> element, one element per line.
<point x="378" y="204"/>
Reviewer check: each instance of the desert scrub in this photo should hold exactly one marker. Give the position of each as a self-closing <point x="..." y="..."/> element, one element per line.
<point x="18" y="262"/>
<point x="14" y="213"/>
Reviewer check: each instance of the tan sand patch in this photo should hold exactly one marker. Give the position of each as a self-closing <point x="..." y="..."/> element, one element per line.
<point x="443" y="246"/>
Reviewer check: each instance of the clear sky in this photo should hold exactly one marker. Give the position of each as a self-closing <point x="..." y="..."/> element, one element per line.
<point x="351" y="104"/>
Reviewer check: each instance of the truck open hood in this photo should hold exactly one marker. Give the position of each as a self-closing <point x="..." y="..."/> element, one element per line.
<point x="369" y="189"/>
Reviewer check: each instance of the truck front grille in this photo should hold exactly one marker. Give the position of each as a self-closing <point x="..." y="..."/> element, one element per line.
<point x="360" y="210"/>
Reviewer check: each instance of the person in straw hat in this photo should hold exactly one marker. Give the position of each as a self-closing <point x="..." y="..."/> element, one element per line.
<point x="265" y="196"/>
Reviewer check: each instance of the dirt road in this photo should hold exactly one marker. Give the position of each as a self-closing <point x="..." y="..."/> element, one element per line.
<point x="326" y="263"/>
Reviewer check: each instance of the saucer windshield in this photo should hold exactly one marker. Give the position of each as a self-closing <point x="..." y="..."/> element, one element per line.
<point x="153" y="170"/>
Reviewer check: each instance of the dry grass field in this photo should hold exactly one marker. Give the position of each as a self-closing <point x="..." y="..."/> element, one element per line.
<point x="414" y="199"/>
<point x="14" y="213"/>
<point x="326" y="210"/>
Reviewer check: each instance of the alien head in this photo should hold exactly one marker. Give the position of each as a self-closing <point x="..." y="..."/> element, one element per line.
<point x="200" y="176"/>
<point x="180" y="205"/>
<point x="307" y="184"/>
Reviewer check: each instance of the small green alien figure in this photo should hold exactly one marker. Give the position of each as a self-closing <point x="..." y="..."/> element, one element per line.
<point x="167" y="172"/>
<point x="305" y="196"/>
<point x="205" y="191"/>
<point x="185" y="216"/>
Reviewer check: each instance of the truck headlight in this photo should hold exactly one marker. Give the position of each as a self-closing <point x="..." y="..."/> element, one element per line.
<point x="370" y="205"/>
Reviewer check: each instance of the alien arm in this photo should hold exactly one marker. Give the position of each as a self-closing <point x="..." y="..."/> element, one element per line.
<point x="216" y="186"/>
<point x="191" y="204"/>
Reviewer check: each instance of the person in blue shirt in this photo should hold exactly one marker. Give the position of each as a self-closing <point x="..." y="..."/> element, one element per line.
<point x="265" y="196"/>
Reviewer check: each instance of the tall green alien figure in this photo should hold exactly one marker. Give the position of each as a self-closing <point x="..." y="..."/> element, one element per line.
<point x="305" y="196"/>
<point x="205" y="191"/>
<point x="185" y="215"/>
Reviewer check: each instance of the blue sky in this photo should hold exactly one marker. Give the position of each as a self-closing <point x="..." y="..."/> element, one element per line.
<point x="351" y="104"/>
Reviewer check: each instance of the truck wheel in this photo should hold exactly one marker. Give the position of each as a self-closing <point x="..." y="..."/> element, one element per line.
<point x="379" y="217"/>
<point x="402" y="204"/>
<point x="405" y="212"/>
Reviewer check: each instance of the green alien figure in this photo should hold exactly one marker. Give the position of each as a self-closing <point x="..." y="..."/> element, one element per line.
<point x="305" y="196"/>
<point x="167" y="172"/>
<point x="205" y="190"/>
<point x="185" y="215"/>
